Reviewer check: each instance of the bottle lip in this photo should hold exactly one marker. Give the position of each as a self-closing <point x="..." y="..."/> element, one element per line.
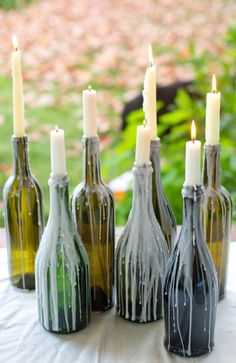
<point x="145" y="169"/>
<point x="155" y="144"/>
<point x="212" y="148"/>
<point x="19" y="140"/>
<point x="192" y="192"/>
<point x="58" y="180"/>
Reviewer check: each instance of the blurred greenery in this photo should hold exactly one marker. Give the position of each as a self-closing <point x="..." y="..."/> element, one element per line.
<point x="14" y="4"/>
<point x="118" y="157"/>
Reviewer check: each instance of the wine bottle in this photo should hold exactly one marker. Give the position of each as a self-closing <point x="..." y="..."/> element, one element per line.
<point x="141" y="256"/>
<point x="161" y="205"/>
<point x="216" y="212"/>
<point x="93" y="214"/>
<point x="190" y="288"/>
<point x="23" y="214"/>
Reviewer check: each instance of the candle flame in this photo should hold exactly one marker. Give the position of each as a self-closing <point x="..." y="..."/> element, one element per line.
<point x="150" y="54"/>
<point x="214" y="84"/>
<point x="15" y="43"/>
<point x="56" y="128"/>
<point x="193" y="131"/>
<point x="144" y="122"/>
<point x="90" y="88"/>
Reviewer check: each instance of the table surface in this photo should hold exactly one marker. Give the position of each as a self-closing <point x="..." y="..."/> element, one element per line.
<point x="108" y="338"/>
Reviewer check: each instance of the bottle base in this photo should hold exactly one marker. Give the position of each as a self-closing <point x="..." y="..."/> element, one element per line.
<point x="100" y="303"/>
<point x="186" y="354"/>
<point x="64" y="332"/>
<point x="24" y="282"/>
<point x="138" y="321"/>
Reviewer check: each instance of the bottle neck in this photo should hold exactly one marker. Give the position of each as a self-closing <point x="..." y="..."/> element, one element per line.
<point x="59" y="197"/>
<point x="91" y="160"/>
<point x="211" y="168"/>
<point x="191" y="209"/>
<point x="20" y="156"/>
<point x="155" y="157"/>
<point x="142" y="191"/>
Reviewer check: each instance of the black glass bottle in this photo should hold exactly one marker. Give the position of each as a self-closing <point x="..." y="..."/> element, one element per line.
<point x="23" y="214"/>
<point x="93" y="214"/>
<point x="161" y="205"/>
<point x="190" y="288"/>
<point x="141" y="256"/>
<point x="216" y="211"/>
<point x="62" y="268"/>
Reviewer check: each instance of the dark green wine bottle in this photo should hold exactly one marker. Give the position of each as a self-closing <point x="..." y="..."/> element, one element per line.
<point x="62" y="268"/>
<point x="23" y="214"/>
<point x="161" y="205"/>
<point x="216" y="211"/>
<point x="93" y="213"/>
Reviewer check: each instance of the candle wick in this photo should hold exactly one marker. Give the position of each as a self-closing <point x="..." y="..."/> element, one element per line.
<point x="89" y="88"/>
<point x="56" y="128"/>
<point x="144" y="122"/>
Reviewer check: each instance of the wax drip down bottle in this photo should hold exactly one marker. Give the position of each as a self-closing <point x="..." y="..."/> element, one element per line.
<point x="142" y="252"/>
<point x="93" y="212"/>
<point x="22" y="195"/>
<point x="161" y="205"/>
<point x="190" y="287"/>
<point x="62" y="266"/>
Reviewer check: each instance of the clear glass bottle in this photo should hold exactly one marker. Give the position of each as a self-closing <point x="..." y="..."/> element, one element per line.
<point x="62" y="268"/>
<point x="141" y="256"/>
<point x="161" y="205"/>
<point x="93" y="214"/>
<point x="23" y="214"/>
<point x="216" y="211"/>
<point x="190" y="288"/>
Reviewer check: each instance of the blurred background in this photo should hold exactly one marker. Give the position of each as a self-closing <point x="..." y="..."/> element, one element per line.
<point x="68" y="44"/>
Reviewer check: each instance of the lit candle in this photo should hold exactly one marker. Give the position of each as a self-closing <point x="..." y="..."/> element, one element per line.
<point x="143" y="145"/>
<point x="18" y="96"/>
<point x="89" y="113"/>
<point x="193" y="159"/>
<point x="212" y="129"/>
<point x="149" y="95"/>
<point x="58" y="157"/>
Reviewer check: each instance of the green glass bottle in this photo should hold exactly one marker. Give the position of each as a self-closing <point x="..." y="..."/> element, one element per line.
<point x="93" y="213"/>
<point x="62" y="266"/>
<point x="23" y="214"/>
<point x="161" y="205"/>
<point x="216" y="211"/>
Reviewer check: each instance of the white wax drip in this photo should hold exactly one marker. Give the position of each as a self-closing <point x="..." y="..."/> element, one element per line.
<point x="142" y="249"/>
<point x="58" y="245"/>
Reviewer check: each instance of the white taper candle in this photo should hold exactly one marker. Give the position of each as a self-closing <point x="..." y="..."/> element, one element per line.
<point x="18" y="95"/>
<point x="58" y="157"/>
<point x="212" y="127"/>
<point x="149" y="95"/>
<point x="193" y="159"/>
<point x="142" y="155"/>
<point x="89" y="113"/>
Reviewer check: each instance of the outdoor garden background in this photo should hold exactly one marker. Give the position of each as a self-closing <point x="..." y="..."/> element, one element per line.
<point x="68" y="44"/>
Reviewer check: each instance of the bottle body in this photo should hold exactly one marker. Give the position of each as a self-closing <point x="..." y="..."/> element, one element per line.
<point x="162" y="208"/>
<point x="141" y="256"/>
<point x="23" y="216"/>
<point x="94" y="216"/>
<point x="216" y="213"/>
<point x="62" y="268"/>
<point x="190" y="288"/>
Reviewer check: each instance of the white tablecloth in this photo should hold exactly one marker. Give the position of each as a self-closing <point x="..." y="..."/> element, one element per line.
<point x="108" y="338"/>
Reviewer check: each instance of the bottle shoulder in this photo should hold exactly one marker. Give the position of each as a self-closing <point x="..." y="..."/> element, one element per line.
<point x="98" y="193"/>
<point x="15" y="185"/>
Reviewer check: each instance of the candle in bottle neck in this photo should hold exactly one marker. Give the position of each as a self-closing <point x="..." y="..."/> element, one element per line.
<point x="193" y="159"/>
<point x="212" y="128"/>
<point x="18" y="96"/>
<point x="58" y="157"/>
<point x="149" y="95"/>
<point x="143" y="145"/>
<point x="89" y="113"/>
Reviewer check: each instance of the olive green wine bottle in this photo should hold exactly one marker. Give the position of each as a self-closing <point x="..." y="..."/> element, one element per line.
<point x="216" y="211"/>
<point x="23" y="213"/>
<point x="93" y="213"/>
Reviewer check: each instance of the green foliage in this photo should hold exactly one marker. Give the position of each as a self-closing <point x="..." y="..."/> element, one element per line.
<point x="174" y="131"/>
<point x="14" y="4"/>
